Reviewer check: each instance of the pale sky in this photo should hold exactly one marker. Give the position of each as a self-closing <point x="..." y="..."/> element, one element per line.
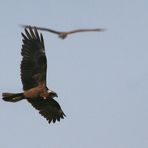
<point x="101" y="78"/>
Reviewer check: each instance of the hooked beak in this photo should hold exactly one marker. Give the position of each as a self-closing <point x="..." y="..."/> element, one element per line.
<point x="52" y="93"/>
<point x="55" y="94"/>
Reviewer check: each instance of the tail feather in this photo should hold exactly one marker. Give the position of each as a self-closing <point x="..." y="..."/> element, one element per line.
<point x="12" y="97"/>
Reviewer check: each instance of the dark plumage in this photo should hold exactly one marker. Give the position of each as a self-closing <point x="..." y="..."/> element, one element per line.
<point x="33" y="76"/>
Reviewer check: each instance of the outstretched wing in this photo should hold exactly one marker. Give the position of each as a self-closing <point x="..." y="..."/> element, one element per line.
<point x="34" y="62"/>
<point x="48" y="108"/>
<point x="64" y="34"/>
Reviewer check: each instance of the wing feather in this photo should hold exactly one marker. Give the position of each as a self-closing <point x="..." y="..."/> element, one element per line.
<point x="48" y="108"/>
<point x="34" y="60"/>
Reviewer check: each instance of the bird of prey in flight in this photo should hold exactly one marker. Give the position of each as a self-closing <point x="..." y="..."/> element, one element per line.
<point x="33" y="76"/>
<point x="64" y="34"/>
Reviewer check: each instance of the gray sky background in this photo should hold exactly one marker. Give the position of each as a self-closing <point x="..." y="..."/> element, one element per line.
<point x="101" y="78"/>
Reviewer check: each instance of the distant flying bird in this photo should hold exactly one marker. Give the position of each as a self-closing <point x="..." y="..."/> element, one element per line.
<point x="64" y="34"/>
<point x="33" y="76"/>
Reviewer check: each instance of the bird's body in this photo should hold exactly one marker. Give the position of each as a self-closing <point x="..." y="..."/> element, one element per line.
<point x="33" y="76"/>
<point x="39" y="91"/>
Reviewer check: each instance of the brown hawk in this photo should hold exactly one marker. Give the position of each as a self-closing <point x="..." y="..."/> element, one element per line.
<point x="33" y="76"/>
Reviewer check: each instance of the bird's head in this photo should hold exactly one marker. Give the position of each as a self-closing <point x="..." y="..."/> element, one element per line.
<point x="52" y="94"/>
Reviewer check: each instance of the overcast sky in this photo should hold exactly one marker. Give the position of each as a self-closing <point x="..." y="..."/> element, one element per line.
<point x="101" y="78"/>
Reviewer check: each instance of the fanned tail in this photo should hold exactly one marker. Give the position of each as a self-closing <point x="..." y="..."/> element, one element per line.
<point x="12" y="97"/>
